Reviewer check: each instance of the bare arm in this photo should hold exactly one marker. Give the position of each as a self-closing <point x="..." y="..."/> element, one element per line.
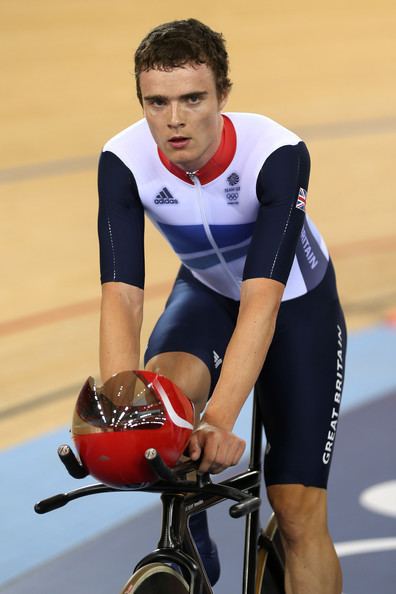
<point x="246" y="352"/>
<point x="244" y="358"/>
<point x="120" y="326"/>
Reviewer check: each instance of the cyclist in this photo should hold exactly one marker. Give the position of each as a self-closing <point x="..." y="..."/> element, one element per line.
<point x="255" y="298"/>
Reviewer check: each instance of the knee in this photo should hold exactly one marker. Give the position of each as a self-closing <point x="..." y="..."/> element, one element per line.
<point x="187" y="372"/>
<point x="300" y="511"/>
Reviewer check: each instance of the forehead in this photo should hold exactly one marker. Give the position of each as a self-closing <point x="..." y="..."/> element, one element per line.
<point x="178" y="81"/>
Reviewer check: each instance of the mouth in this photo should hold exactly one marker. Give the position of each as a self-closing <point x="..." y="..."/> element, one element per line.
<point x="179" y="142"/>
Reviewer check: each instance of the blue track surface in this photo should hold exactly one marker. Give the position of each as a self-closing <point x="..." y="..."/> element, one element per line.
<point x="31" y="472"/>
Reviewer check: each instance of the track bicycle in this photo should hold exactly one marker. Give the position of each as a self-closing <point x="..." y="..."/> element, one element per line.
<point x="175" y="566"/>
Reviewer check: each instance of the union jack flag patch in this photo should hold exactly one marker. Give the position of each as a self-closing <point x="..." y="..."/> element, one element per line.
<point x="301" y="199"/>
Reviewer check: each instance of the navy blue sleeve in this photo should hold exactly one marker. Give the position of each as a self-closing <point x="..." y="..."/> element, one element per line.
<point x="282" y="185"/>
<point x="120" y="223"/>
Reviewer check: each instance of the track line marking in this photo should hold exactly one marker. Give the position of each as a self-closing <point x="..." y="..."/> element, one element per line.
<point x="59" y="314"/>
<point x="380" y="498"/>
<point x="362" y="547"/>
<point x="320" y="131"/>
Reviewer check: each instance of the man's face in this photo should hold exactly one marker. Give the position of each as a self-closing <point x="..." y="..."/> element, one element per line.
<point x="182" y="110"/>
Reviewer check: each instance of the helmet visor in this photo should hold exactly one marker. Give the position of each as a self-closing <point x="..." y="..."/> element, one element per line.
<point x="123" y="403"/>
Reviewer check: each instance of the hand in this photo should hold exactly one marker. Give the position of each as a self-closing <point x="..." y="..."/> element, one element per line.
<point x="219" y="448"/>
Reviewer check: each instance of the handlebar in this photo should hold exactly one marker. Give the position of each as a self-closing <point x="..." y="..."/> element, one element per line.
<point x="243" y="508"/>
<point x="246" y="502"/>
<point x="73" y="466"/>
<point x="61" y="499"/>
<point x="169" y="480"/>
<point x="158" y="465"/>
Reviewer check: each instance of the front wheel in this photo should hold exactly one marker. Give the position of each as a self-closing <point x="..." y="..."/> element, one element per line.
<point x="156" y="578"/>
<point x="270" y="577"/>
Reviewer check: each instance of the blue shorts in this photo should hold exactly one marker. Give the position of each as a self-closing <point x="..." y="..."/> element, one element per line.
<point x="301" y="382"/>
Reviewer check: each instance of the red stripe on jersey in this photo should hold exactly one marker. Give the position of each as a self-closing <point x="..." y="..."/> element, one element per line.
<point x="217" y="164"/>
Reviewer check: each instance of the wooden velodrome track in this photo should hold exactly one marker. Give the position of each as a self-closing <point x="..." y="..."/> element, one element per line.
<point x="327" y="72"/>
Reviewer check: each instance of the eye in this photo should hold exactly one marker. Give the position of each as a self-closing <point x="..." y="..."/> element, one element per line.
<point x="157" y="102"/>
<point x="193" y="99"/>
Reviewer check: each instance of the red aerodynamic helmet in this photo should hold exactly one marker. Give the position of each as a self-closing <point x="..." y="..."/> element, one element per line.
<point x="115" y="424"/>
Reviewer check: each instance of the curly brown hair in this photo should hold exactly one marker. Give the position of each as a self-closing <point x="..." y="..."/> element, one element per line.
<point x="172" y="45"/>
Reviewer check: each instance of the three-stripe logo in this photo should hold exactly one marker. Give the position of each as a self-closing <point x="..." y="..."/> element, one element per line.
<point x="165" y="197"/>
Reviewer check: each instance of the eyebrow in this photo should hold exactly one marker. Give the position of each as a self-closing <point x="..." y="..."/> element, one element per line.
<point x="199" y="94"/>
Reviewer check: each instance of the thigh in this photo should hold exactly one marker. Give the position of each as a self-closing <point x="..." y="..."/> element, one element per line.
<point x="301" y="385"/>
<point x="196" y="320"/>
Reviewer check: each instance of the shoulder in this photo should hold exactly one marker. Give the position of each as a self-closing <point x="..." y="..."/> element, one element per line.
<point x="261" y="130"/>
<point x="133" y="133"/>
<point x="133" y="144"/>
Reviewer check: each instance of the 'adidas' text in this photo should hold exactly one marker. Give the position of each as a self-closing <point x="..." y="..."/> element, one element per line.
<point x="165" y="197"/>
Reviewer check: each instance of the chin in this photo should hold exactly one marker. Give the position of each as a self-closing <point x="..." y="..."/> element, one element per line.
<point x="182" y="161"/>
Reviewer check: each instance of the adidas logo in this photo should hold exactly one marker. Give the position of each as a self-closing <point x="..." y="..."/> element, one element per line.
<point x="217" y="360"/>
<point x="165" y="197"/>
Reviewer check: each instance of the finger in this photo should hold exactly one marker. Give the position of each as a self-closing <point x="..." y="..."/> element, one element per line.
<point x="228" y="454"/>
<point x="238" y="452"/>
<point x="220" y="462"/>
<point x="231" y="457"/>
<point x="217" y="468"/>
<point x="194" y="448"/>
<point x="209" y="454"/>
<point x="222" y="459"/>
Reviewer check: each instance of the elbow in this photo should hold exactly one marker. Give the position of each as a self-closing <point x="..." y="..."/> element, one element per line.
<point x="121" y="296"/>
<point x="262" y="294"/>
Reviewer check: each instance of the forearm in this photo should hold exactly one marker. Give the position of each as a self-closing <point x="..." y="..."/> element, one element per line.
<point x="120" y="325"/>
<point x="246" y="351"/>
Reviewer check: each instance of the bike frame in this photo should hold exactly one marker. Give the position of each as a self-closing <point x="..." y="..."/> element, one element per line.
<point x="176" y="545"/>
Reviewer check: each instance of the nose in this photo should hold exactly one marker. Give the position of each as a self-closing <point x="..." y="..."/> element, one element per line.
<point x="175" y="116"/>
